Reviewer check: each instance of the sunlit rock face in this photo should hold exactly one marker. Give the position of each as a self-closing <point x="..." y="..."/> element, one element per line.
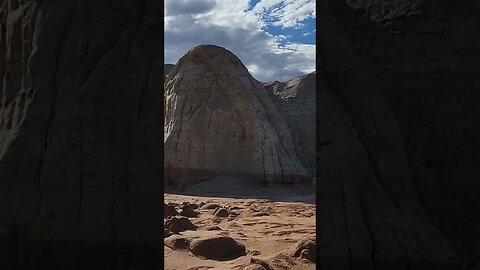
<point x="220" y="120"/>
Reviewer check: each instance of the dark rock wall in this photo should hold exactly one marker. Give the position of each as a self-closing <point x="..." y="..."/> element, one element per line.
<point x="80" y="185"/>
<point x="425" y="63"/>
<point x="385" y="226"/>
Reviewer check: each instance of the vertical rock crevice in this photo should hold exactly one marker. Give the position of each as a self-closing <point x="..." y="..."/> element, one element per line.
<point x="63" y="133"/>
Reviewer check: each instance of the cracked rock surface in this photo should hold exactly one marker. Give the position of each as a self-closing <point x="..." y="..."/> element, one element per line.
<point x="295" y="100"/>
<point x="426" y="66"/>
<point x="80" y="132"/>
<point x="220" y="120"/>
<point x="369" y="212"/>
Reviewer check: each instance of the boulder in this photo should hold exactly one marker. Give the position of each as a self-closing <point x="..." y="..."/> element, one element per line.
<point x="305" y="249"/>
<point x="188" y="212"/>
<point x="217" y="248"/>
<point x="221" y="212"/>
<point x="177" y="242"/>
<point x="186" y="205"/>
<point x="169" y="210"/>
<point x="179" y="224"/>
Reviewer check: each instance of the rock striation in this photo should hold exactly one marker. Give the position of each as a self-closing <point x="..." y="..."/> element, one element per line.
<point x="220" y="120"/>
<point x="426" y="66"/>
<point x="369" y="211"/>
<point x="80" y="134"/>
<point x="295" y="100"/>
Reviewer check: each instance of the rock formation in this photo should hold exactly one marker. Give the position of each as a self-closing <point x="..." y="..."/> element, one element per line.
<point x="425" y="62"/>
<point x="370" y="216"/>
<point x="220" y="120"/>
<point x="295" y="100"/>
<point x="80" y="134"/>
<point x="167" y="68"/>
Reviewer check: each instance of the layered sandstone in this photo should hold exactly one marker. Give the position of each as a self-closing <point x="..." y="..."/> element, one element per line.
<point x="295" y="100"/>
<point x="220" y="120"/>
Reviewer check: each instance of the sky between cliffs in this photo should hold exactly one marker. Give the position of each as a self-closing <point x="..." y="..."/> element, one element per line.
<point x="275" y="39"/>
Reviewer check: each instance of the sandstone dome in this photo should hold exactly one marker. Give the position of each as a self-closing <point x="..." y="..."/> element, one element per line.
<point x="220" y="120"/>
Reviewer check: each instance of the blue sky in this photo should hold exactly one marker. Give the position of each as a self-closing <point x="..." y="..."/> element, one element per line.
<point x="303" y="33"/>
<point x="275" y="39"/>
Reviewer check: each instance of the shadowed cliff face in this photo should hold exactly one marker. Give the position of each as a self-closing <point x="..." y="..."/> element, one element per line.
<point x="370" y="216"/>
<point x="220" y="120"/>
<point x="80" y="133"/>
<point x="426" y="66"/>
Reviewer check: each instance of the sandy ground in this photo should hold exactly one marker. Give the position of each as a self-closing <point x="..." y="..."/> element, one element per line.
<point x="267" y="221"/>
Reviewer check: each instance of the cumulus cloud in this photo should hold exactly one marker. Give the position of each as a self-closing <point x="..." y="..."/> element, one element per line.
<point x="286" y="14"/>
<point x="179" y="7"/>
<point x="238" y="27"/>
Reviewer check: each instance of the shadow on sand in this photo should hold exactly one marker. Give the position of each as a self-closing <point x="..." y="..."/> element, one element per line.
<point x="238" y="187"/>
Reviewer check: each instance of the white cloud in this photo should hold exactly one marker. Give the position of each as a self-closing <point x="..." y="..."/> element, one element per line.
<point x="230" y="24"/>
<point x="286" y="13"/>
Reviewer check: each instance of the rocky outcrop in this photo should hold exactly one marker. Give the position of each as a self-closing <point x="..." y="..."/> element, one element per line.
<point x="426" y="67"/>
<point x="167" y="68"/>
<point x="220" y="120"/>
<point x="369" y="212"/>
<point x="80" y="134"/>
<point x="295" y="100"/>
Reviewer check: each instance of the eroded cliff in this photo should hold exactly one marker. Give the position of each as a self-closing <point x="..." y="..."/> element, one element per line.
<point x="220" y="120"/>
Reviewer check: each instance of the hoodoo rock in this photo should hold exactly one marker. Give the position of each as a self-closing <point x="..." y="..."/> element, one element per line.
<point x="220" y="120"/>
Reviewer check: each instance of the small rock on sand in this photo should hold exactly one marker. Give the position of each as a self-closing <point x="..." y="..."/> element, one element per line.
<point x="304" y="249"/>
<point x="169" y="210"/>
<point x="221" y="212"/>
<point x="210" y="206"/>
<point x="179" y="224"/>
<point x="187" y="205"/>
<point x="213" y="228"/>
<point x="177" y="242"/>
<point x="217" y="248"/>
<point x="188" y="212"/>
